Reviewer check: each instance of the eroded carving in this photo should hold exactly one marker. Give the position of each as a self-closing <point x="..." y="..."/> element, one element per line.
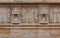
<point x="29" y="15"/>
<point x="4" y="14"/>
<point x="54" y="14"/>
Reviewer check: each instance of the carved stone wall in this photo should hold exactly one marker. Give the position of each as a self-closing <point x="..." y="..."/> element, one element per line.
<point x="30" y="14"/>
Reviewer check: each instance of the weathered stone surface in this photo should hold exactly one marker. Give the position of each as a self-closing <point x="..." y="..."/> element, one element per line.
<point x="55" y="33"/>
<point x="32" y="1"/>
<point x="30" y="14"/>
<point x="4" y="33"/>
<point x="4" y="36"/>
<point x="54" y="13"/>
<point x="32" y="33"/>
<point x="4" y="14"/>
<point x="43" y="33"/>
<point x="23" y="33"/>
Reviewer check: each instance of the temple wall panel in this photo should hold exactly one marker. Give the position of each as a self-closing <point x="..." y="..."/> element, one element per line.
<point x="27" y="16"/>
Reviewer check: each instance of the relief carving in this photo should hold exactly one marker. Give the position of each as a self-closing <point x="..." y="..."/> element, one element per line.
<point x="4" y="14"/>
<point x="32" y="14"/>
<point x="54" y="14"/>
<point x="16" y="15"/>
<point x="15" y="10"/>
<point x="29" y="15"/>
<point x="43" y="13"/>
<point x="43" y="9"/>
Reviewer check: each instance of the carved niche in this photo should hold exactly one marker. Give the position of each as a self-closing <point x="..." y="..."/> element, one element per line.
<point x="15" y="16"/>
<point x="43" y="13"/>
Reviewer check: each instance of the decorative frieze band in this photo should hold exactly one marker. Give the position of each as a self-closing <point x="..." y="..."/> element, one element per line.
<point x="30" y="14"/>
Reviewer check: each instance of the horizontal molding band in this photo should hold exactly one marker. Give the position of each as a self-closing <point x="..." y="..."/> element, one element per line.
<point x="7" y="3"/>
<point x="34" y="27"/>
